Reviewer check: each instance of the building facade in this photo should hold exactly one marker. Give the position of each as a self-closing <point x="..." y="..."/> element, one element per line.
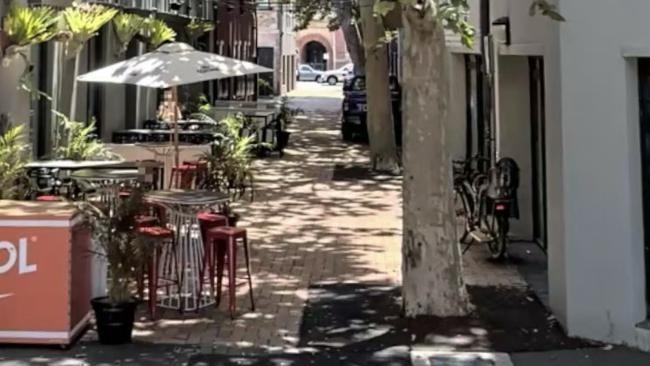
<point x="572" y="106"/>
<point x="321" y="48"/>
<point x="116" y="107"/>
<point x="277" y="45"/>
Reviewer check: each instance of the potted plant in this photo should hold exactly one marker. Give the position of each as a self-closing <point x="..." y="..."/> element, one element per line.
<point x="230" y="162"/>
<point x="14" y="154"/>
<point x="125" y="255"/>
<point x="286" y="117"/>
<point x="77" y="141"/>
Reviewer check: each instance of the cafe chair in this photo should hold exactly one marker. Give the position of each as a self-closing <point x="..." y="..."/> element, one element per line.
<point x="182" y="177"/>
<point x="157" y="238"/>
<point x="208" y="220"/>
<point x="225" y="239"/>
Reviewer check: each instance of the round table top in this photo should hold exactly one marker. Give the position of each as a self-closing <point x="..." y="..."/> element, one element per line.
<point x="186" y="197"/>
<point x="108" y="174"/>
<point x="74" y="164"/>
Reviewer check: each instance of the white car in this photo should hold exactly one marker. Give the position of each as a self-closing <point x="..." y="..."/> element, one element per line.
<point x="334" y="76"/>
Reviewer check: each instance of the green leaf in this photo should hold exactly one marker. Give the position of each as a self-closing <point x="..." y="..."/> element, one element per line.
<point x="156" y="32"/>
<point x="125" y="27"/>
<point x="383" y="7"/>
<point x="26" y="26"/>
<point x="197" y="28"/>
<point x="83" y="21"/>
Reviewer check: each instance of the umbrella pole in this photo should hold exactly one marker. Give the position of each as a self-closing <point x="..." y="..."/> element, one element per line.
<point x="175" y="122"/>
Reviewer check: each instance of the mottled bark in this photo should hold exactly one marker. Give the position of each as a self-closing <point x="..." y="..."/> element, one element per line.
<point x="432" y="267"/>
<point x="381" y="130"/>
<point x="353" y="41"/>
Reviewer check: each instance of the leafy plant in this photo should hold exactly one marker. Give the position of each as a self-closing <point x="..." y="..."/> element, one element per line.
<point x="231" y="159"/>
<point x="155" y="32"/>
<point x="26" y="26"/>
<point x="83" y="21"/>
<point x="264" y="86"/>
<point x="14" y="154"/>
<point x="196" y="28"/>
<point x="286" y="114"/>
<point x="126" y="26"/>
<point x="114" y="230"/>
<point x="79" y="142"/>
<point x="546" y="9"/>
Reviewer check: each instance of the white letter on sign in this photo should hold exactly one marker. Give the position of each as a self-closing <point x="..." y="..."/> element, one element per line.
<point x="23" y="267"/>
<point x="11" y="259"/>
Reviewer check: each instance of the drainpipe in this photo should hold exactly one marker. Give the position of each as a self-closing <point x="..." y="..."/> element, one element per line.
<point x="279" y="67"/>
<point x="487" y="52"/>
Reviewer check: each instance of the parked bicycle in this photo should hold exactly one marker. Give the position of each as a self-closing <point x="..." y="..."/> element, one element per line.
<point x="486" y="198"/>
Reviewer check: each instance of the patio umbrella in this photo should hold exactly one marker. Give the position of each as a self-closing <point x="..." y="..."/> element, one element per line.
<point x="170" y="65"/>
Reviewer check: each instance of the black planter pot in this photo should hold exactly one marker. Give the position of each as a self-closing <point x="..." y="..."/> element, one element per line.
<point x="114" y="321"/>
<point x="232" y="220"/>
<point x="283" y="139"/>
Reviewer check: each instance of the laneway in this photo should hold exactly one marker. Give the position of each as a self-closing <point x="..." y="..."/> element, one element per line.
<point x="309" y="223"/>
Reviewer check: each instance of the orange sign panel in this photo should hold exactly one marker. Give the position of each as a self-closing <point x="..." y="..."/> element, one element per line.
<point x="44" y="274"/>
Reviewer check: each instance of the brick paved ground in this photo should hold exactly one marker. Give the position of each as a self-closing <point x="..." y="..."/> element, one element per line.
<point x="305" y="228"/>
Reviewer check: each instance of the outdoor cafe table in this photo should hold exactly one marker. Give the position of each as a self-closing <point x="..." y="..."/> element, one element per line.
<point x="108" y="182"/>
<point x="183" y="207"/>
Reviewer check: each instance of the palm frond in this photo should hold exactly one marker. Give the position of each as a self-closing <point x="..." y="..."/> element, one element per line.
<point x="78" y="141"/>
<point x="83" y="21"/>
<point x="125" y="27"/>
<point x="14" y="154"/>
<point x="196" y="28"/>
<point x="25" y="26"/>
<point x="156" y="32"/>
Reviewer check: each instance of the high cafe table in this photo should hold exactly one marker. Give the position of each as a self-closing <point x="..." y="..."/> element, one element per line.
<point x="44" y="273"/>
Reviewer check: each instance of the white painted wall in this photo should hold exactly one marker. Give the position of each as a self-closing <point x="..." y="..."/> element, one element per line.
<point x="596" y="266"/>
<point x="603" y="243"/>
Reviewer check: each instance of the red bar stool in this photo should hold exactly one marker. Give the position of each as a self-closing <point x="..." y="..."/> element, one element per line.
<point x="225" y="239"/>
<point x="156" y="237"/>
<point x="182" y="177"/>
<point x="208" y="220"/>
<point x="201" y="166"/>
<point x="49" y="198"/>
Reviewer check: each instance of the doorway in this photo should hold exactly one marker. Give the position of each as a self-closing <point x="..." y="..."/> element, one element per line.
<point x="314" y="55"/>
<point x="538" y="150"/>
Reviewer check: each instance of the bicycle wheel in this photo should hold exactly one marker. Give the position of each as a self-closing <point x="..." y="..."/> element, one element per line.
<point x="498" y="228"/>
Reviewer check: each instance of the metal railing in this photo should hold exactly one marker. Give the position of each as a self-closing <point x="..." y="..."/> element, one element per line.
<point x="185" y="8"/>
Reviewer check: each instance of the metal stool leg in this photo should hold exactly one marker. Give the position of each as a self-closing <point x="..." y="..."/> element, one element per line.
<point x="232" y="274"/>
<point x="248" y="271"/>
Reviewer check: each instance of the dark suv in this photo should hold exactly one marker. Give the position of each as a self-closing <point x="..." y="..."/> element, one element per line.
<point x="355" y="108"/>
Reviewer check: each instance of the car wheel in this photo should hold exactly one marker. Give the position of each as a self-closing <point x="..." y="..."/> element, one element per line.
<point x="317" y="79"/>
<point x="332" y="80"/>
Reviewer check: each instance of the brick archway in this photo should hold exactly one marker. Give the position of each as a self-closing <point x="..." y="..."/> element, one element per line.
<point x="303" y="40"/>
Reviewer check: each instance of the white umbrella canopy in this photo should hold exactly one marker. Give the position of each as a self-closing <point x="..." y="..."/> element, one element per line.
<point x="171" y="65"/>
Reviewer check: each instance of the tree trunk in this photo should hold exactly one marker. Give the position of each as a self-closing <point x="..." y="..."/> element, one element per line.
<point x="431" y="259"/>
<point x="351" y="35"/>
<point x="381" y="130"/>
